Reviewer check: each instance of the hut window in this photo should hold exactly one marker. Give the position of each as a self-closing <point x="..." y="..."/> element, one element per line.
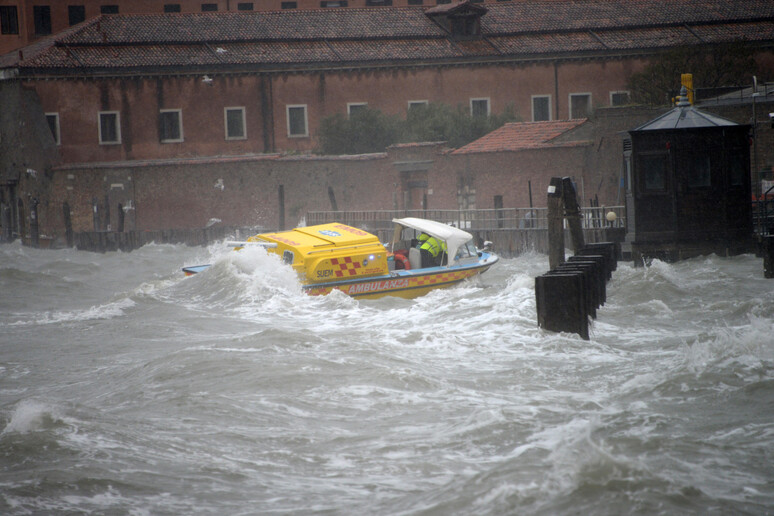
<point x="653" y="173"/>
<point x="699" y="175"/>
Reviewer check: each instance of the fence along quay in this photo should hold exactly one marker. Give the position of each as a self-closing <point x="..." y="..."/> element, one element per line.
<point x="513" y="231"/>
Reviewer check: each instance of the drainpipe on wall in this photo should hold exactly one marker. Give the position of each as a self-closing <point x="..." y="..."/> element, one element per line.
<point x="556" y="89"/>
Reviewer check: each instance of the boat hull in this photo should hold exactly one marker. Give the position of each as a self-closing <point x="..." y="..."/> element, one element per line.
<point x="405" y="284"/>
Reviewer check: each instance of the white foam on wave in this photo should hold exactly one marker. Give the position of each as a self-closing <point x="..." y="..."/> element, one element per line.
<point x="100" y="312"/>
<point x="29" y="416"/>
<point x="748" y="346"/>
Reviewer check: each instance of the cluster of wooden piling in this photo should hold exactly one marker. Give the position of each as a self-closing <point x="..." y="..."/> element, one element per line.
<point x="567" y="296"/>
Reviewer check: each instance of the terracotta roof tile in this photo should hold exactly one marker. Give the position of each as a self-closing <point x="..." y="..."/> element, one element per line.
<point x="660" y="37"/>
<point x="394" y="49"/>
<point x="350" y="37"/>
<point x="529" y="44"/>
<point x="519" y="136"/>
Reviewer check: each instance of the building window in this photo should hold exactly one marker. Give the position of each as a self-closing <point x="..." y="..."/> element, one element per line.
<point x="9" y="19"/>
<point x="415" y="2"/>
<point x="356" y="107"/>
<point x="541" y="108"/>
<point x="245" y="6"/>
<point x="379" y="2"/>
<point x="108" y="9"/>
<point x="417" y="104"/>
<point x="465" y="27"/>
<point x="479" y="107"/>
<point x="297" y="121"/>
<point x="170" y="125"/>
<point x="288" y="5"/>
<point x="42" y="17"/>
<point x="207" y="8"/>
<point x="109" y="128"/>
<point x="580" y="105"/>
<point x="235" y="123"/>
<point x="75" y="14"/>
<point x="620" y="98"/>
<point x="171" y="8"/>
<point x="53" y="124"/>
<point x="333" y="3"/>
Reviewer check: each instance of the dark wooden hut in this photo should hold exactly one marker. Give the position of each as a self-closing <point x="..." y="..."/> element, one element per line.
<point x="688" y="186"/>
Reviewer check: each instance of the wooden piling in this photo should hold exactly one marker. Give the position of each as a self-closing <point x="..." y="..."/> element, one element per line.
<point x="768" y="256"/>
<point x="561" y="303"/>
<point x="68" y="224"/>
<point x="34" y="226"/>
<point x="555" y="224"/>
<point x="5" y="222"/>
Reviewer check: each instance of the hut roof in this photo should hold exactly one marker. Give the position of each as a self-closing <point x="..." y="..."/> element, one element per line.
<point x="684" y="116"/>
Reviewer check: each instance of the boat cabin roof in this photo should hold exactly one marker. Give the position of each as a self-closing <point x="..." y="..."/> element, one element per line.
<point x="454" y="237"/>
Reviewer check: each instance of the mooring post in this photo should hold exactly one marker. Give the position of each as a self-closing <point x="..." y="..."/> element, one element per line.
<point x="95" y="216"/>
<point x="768" y="256"/>
<point x="561" y="302"/>
<point x="555" y="224"/>
<point x="5" y="222"/>
<point x="332" y="198"/>
<point x="34" y="227"/>
<point x="573" y="214"/>
<point x="68" y="223"/>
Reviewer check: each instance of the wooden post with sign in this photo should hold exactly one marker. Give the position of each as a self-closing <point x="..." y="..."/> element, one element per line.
<point x="573" y="214"/>
<point x="555" y="224"/>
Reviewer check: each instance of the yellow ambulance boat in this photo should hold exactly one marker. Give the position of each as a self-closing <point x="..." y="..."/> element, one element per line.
<point x="335" y="256"/>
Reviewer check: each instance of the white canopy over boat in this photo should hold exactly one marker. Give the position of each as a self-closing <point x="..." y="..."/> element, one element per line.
<point x="454" y="237"/>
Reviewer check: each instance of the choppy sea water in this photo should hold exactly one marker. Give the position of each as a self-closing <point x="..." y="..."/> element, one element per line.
<point x="126" y="388"/>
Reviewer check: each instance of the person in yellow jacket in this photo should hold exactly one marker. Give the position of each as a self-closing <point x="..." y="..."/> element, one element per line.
<point x="431" y="249"/>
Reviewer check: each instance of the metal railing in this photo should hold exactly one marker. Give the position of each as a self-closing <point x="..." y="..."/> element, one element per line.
<point x="763" y="212"/>
<point x="470" y="220"/>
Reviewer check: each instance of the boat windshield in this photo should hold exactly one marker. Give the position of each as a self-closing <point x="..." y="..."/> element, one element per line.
<point x="466" y="250"/>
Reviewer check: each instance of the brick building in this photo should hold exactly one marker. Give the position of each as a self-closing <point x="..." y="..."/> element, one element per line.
<point x="166" y="96"/>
